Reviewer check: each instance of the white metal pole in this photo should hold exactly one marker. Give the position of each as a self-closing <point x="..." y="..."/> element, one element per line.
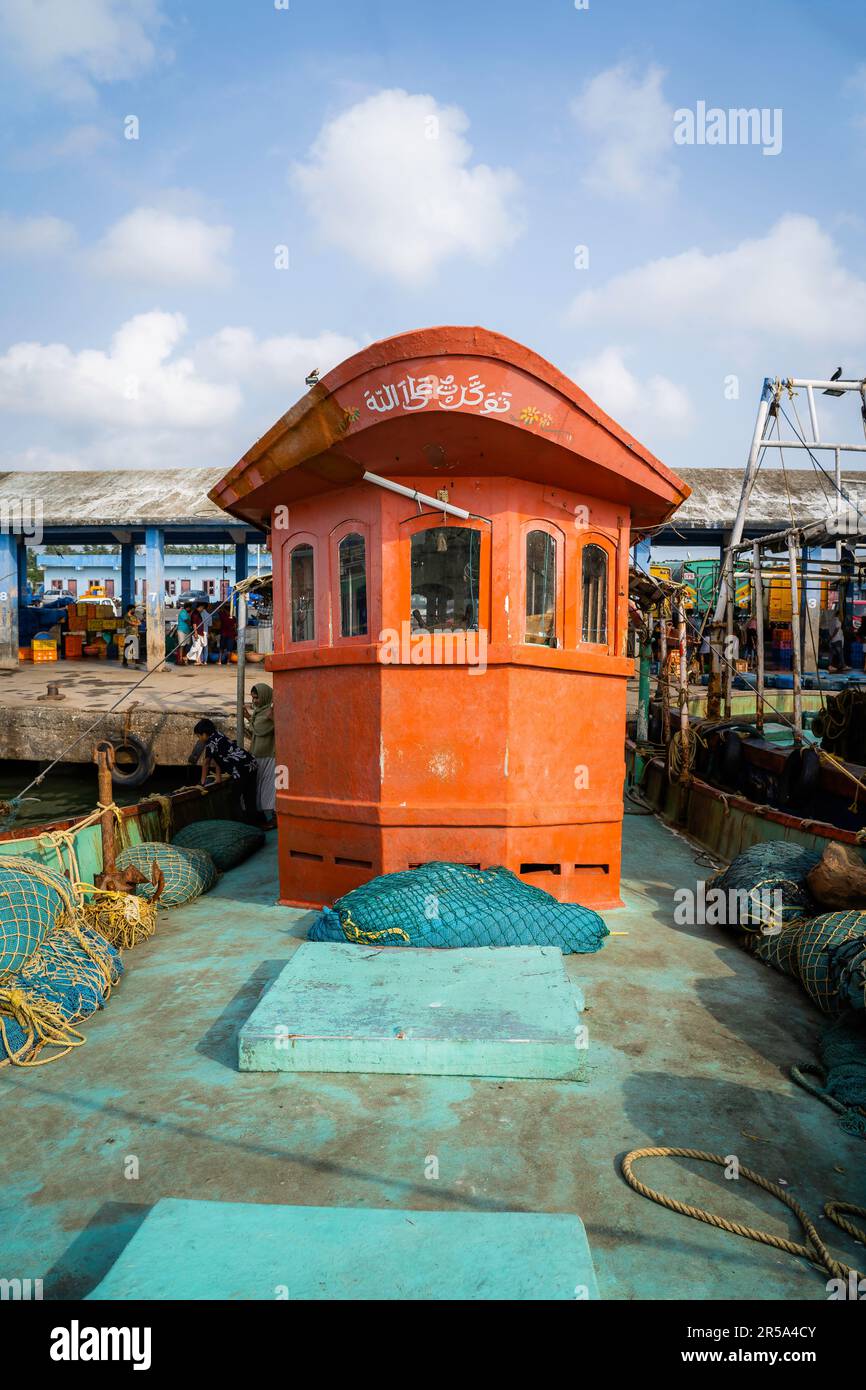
<point x="447" y="507"/>
<point x="664" y="688"/>
<point x="813" y="415"/>
<point x="729" y="632"/>
<point x="838" y="475"/>
<point x="684" y="678"/>
<point x="242" y="661"/>
<point x="795" y="637"/>
<point x="748" y="480"/>
<point x="759" y="636"/>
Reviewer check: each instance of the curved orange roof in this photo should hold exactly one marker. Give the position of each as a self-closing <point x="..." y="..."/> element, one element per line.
<point x="455" y="400"/>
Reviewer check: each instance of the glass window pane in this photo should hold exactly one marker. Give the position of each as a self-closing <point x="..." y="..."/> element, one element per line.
<point x="540" y="589"/>
<point x="445" y="563"/>
<point x="594" y="571"/>
<point x="353" y="586"/>
<point x="303" y="604"/>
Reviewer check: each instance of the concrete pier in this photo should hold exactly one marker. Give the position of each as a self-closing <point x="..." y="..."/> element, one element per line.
<point x="161" y="712"/>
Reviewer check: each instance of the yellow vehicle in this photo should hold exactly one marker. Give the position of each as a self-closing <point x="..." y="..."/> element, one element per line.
<point x="777" y="587"/>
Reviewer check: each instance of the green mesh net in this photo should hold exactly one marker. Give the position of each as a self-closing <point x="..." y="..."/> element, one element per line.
<point x="32" y="897"/>
<point x="67" y="978"/>
<point x="778" y="949"/>
<point x="441" y="904"/>
<point x="819" y="940"/>
<point x="766" y="885"/>
<point x="188" y="872"/>
<point x="228" y="842"/>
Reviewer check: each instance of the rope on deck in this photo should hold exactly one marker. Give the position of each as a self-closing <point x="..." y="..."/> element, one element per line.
<point x="813" y="1250"/>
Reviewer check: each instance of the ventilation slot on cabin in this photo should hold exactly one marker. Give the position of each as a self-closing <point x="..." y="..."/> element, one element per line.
<point x="354" y="863"/>
<point x="541" y="868"/>
<point x="456" y="861"/>
<point x="302" y="854"/>
<point x="592" y="868"/>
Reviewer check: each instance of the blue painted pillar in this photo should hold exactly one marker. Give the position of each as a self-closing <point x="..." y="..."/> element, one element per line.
<point x="9" y="598"/>
<point x="127" y="574"/>
<point x="154" y="540"/>
<point x="241" y="562"/>
<point x="642" y="552"/>
<point x="22" y="572"/>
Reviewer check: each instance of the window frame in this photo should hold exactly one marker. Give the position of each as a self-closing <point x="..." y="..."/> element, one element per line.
<point x="291" y="544"/>
<point x="601" y="542"/>
<point x="558" y="536"/>
<point x="431" y="521"/>
<point x="351" y="527"/>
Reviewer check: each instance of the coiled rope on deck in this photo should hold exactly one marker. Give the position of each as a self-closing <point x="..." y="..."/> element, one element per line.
<point x="814" y="1250"/>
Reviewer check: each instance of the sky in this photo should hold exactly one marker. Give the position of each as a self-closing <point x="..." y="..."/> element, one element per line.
<point x="201" y="202"/>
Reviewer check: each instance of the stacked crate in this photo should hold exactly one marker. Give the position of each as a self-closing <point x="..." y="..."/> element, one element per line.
<point x="94" y="623"/>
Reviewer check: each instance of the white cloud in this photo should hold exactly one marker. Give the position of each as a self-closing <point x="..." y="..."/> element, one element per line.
<point x="390" y="182"/>
<point x="142" y="405"/>
<point x="628" y="133"/>
<point x="137" y="384"/>
<point x="655" y="403"/>
<point x="281" y="362"/>
<point x="788" y="283"/>
<point x="34" y="236"/>
<point x="69" y="47"/>
<point x="154" y="246"/>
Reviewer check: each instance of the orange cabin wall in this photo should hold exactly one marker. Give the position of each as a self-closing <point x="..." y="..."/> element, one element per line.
<point x="389" y="764"/>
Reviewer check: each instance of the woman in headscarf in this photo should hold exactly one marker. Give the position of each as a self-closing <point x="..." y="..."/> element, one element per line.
<point x="260" y="726"/>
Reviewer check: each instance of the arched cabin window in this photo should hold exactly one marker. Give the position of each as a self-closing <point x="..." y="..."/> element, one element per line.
<point x="594" y="593"/>
<point x="353" y="586"/>
<point x="540" y="626"/>
<point x="446" y="561"/>
<point x="303" y="594"/>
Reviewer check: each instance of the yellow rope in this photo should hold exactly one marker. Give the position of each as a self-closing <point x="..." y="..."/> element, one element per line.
<point x="356" y="933"/>
<point x="814" y="1249"/>
<point x="43" y="1026"/>
<point x="123" y="919"/>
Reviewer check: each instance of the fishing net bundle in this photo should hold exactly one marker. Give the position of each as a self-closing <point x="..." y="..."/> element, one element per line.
<point x="827" y="954"/>
<point x="819" y="944"/>
<point x="188" y="872"/>
<point x="840" y="1079"/>
<point x="228" y="842"/>
<point x="66" y="979"/>
<point x="123" y="919"/>
<point x="32" y="898"/>
<point x="765" y="886"/>
<point x="447" y="905"/>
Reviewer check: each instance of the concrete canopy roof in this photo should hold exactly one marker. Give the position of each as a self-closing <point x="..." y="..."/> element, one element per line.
<point x="805" y="493"/>
<point x="175" y="498"/>
<point x="93" y="506"/>
<point x="455" y="401"/>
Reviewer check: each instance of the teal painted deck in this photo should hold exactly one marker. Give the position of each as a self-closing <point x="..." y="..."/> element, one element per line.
<point x="223" y="1250"/>
<point x="337" y="1007"/>
<point x="690" y="1040"/>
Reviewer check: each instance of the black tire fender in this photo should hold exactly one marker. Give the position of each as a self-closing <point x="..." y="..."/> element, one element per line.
<point x="133" y="762"/>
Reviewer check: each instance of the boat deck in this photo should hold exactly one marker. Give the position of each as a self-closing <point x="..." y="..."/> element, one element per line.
<point x="690" y="1045"/>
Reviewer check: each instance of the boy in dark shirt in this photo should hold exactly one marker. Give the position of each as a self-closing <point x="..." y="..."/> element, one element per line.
<point x="222" y="754"/>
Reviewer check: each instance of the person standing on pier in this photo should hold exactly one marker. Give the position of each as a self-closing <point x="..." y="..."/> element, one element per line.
<point x="132" y="626"/>
<point x="228" y="635"/>
<point x="184" y="633"/>
<point x="199" y="643"/>
<point x="259" y="716"/>
<point x="837" y="644"/>
<point x="206" y="619"/>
